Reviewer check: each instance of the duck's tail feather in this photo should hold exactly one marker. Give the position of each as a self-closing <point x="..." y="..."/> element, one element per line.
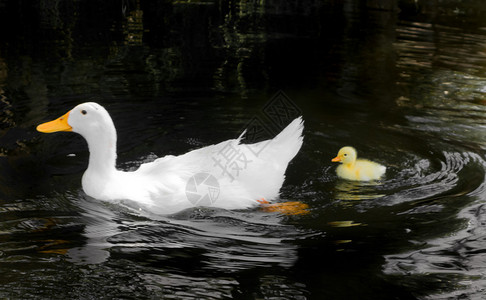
<point x="289" y="141"/>
<point x="269" y="160"/>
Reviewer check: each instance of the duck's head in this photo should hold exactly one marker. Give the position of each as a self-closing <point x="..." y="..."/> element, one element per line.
<point x="87" y="119"/>
<point x="346" y="155"/>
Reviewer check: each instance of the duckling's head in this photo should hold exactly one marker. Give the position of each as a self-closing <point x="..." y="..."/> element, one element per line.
<point x="346" y="155"/>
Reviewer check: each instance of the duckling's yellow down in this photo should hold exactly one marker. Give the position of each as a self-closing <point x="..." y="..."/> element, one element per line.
<point x="352" y="168"/>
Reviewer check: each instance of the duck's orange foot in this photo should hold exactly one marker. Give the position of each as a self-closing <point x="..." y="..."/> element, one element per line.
<point x="286" y="208"/>
<point x="263" y="202"/>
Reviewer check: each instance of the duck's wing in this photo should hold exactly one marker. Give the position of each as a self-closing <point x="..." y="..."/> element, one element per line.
<point x="173" y="181"/>
<point x="243" y="173"/>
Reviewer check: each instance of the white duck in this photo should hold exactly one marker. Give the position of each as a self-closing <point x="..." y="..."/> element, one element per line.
<point x="228" y="175"/>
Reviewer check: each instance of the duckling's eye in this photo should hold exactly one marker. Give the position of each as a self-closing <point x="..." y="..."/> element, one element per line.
<point x="84" y="112"/>
<point x="345" y="154"/>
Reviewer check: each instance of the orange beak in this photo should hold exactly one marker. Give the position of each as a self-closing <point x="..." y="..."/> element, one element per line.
<point x="59" y="124"/>
<point x="337" y="159"/>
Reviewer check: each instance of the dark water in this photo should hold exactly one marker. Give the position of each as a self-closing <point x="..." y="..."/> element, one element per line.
<point x="403" y="82"/>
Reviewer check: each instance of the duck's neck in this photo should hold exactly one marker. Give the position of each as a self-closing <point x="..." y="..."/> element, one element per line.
<point x="102" y="152"/>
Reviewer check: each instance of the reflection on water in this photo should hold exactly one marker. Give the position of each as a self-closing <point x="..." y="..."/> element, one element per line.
<point x="401" y="80"/>
<point x="350" y="191"/>
<point x="134" y="27"/>
<point x="344" y="224"/>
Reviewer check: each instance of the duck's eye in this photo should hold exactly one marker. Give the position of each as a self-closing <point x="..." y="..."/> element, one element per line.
<point x="84" y="112"/>
<point x="345" y="154"/>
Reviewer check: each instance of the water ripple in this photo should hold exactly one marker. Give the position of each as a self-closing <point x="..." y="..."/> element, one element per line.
<point x="423" y="179"/>
<point x="221" y="239"/>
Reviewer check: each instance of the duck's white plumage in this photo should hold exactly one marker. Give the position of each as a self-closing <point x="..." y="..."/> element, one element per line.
<point x="257" y="170"/>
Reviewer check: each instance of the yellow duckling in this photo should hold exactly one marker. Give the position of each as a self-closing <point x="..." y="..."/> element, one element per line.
<point x="356" y="169"/>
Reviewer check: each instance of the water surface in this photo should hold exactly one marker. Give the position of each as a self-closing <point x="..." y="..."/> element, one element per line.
<point x="403" y="82"/>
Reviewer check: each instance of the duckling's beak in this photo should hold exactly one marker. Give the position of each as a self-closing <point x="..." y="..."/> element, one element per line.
<point x="337" y="159"/>
<point x="59" y="124"/>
